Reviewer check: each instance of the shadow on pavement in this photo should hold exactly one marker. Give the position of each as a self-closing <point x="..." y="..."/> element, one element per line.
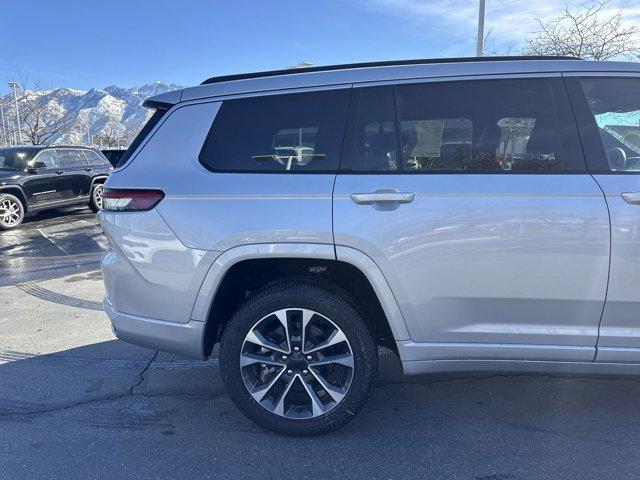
<point x="113" y="410"/>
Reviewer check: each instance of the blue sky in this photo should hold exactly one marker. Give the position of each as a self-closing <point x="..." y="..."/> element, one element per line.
<point x="82" y="44"/>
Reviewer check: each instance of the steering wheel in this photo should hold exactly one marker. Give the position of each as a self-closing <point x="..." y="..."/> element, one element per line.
<point x="617" y="158"/>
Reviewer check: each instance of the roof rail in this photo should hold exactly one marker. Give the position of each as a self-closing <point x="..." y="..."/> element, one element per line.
<point x="391" y="63"/>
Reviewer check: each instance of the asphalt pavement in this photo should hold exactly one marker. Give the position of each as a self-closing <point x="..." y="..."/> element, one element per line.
<point x="75" y="403"/>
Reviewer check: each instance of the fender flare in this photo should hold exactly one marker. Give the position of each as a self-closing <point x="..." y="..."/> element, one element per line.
<point x="21" y="190"/>
<point x="371" y="271"/>
<point x="95" y="179"/>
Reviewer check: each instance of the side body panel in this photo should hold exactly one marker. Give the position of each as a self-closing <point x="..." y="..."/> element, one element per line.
<point x="487" y="259"/>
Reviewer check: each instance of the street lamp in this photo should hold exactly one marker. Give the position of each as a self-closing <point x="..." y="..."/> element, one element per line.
<point x="15" y="86"/>
<point x="480" y="45"/>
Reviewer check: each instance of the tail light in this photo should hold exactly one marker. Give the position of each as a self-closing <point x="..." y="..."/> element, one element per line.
<point x="130" y="200"/>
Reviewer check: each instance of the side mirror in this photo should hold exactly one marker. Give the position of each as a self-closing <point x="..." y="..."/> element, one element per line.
<point x="33" y="167"/>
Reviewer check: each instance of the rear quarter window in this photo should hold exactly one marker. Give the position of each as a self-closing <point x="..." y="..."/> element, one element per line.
<point x="300" y="132"/>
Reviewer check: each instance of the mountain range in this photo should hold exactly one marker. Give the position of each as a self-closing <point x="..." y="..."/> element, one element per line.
<point x="109" y="116"/>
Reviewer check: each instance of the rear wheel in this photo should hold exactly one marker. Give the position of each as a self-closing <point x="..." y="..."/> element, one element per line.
<point x="298" y="359"/>
<point x="11" y="211"/>
<point x="95" y="203"/>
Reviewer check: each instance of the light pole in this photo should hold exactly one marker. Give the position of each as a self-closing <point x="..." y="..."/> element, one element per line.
<point x="4" y="127"/>
<point x="15" y="86"/>
<point x="480" y="45"/>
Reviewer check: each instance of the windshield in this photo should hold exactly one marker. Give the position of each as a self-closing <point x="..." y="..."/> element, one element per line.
<point x="13" y="158"/>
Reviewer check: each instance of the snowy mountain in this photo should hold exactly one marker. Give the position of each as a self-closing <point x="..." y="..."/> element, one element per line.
<point x="108" y="116"/>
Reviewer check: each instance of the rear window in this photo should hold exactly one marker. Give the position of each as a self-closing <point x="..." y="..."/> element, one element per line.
<point x="72" y="158"/>
<point x="152" y="122"/>
<point x="94" y="158"/>
<point x="299" y="132"/>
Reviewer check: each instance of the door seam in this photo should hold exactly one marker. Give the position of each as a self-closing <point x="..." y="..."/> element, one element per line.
<point x="606" y="291"/>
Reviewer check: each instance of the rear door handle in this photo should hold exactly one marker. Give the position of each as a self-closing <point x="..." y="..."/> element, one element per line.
<point x="87" y="169"/>
<point x="632" y="198"/>
<point x="383" y="196"/>
<point x="60" y="172"/>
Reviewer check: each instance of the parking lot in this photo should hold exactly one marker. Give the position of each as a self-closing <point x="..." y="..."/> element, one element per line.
<point x="77" y="403"/>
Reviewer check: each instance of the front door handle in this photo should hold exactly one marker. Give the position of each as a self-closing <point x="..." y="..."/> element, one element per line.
<point x="632" y="198"/>
<point x="383" y="196"/>
<point x="59" y="172"/>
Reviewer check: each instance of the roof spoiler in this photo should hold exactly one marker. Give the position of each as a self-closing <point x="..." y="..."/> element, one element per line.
<point x="163" y="101"/>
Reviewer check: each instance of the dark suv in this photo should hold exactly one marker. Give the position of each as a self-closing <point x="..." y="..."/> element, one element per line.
<point x="39" y="178"/>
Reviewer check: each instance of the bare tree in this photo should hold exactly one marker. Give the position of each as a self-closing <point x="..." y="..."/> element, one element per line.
<point x="491" y="49"/>
<point x="112" y="135"/>
<point x="40" y="123"/>
<point x="593" y="32"/>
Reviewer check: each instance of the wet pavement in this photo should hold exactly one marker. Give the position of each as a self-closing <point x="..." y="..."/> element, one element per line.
<point x="51" y="243"/>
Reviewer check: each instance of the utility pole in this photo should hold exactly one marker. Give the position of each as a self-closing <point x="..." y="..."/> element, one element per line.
<point x="4" y="127"/>
<point x="15" y="86"/>
<point x="480" y="46"/>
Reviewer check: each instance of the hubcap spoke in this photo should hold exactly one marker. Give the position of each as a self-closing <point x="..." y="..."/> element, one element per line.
<point x="278" y="409"/>
<point x="343" y="359"/>
<point x="336" y="337"/>
<point x="282" y="316"/>
<point x="258" y="339"/>
<point x="336" y="393"/>
<point x="250" y="359"/>
<point x="316" y="403"/>
<point x="259" y="392"/>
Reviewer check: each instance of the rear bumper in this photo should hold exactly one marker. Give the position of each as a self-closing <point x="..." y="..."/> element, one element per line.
<point x="180" y="338"/>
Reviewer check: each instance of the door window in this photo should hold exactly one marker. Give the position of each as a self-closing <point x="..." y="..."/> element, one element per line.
<point x="496" y="126"/>
<point x="278" y="133"/>
<point x="72" y="158"/>
<point x="479" y="126"/>
<point x="615" y="106"/>
<point x="49" y="157"/>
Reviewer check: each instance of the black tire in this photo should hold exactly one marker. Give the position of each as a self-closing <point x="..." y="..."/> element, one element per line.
<point x="10" y="201"/>
<point x="94" y="202"/>
<point x="317" y="297"/>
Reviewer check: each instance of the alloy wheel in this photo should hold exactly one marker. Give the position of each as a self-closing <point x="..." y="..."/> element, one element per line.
<point x="10" y="212"/>
<point x="296" y="363"/>
<point x="97" y="197"/>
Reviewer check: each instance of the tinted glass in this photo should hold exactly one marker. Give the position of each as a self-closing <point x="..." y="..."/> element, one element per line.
<point x="615" y="106"/>
<point x="72" y="158"/>
<point x="372" y="143"/>
<point x="479" y="126"/>
<point x="152" y="122"/>
<point x="14" y="159"/>
<point x="49" y="157"/>
<point x="279" y="133"/>
<point x="94" y="158"/>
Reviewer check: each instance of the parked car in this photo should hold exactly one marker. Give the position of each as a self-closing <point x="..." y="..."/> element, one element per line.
<point x="113" y="155"/>
<point x="468" y="215"/>
<point x="45" y="177"/>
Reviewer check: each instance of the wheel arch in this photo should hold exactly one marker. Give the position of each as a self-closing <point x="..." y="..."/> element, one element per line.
<point x="17" y="191"/>
<point x="98" y="179"/>
<point x="241" y="270"/>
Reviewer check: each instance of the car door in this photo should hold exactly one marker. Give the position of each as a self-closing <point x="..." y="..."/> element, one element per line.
<point x="478" y="210"/>
<point x="46" y="184"/>
<point x="77" y="173"/>
<point x="608" y="111"/>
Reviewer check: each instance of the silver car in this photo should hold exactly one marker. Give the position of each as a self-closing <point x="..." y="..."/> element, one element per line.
<point x="467" y="215"/>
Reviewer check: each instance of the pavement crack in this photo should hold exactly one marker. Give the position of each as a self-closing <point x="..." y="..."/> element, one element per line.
<point x="142" y="373"/>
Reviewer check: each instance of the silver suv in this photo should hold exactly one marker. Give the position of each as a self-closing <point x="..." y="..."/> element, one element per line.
<point x="468" y="215"/>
